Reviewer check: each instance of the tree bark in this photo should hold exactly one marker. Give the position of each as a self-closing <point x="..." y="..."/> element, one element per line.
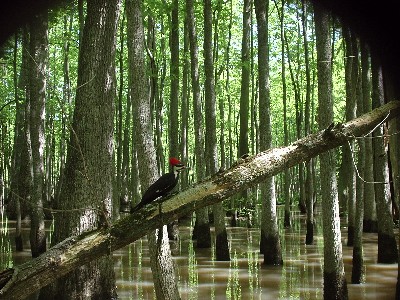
<point x="269" y="241"/>
<point x="245" y="81"/>
<point x="173" y="128"/>
<point x="21" y="175"/>
<point x="202" y="226"/>
<point x="243" y="142"/>
<point x="161" y="263"/>
<point x="309" y="184"/>
<point x="358" y="273"/>
<point x="78" y="250"/>
<point x="387" y="246"/>
<point x="86" y="192"/>
<point x="347" y="174"/>
<point x="174" y="74"/>
<point x="126" y="193"/>
<point x="286" y="176"/>
<point x="335" y="285"/>
<point x="38" y="73"/>
<point x="185" y="105"/>
<point x="119" y="193"/>
<point x="221" y="236"/>
<point x="370" y="222"/>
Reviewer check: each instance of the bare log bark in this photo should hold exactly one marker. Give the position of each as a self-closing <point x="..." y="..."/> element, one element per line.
<point x="79" y="250"/>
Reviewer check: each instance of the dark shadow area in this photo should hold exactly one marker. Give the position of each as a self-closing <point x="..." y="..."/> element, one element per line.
<point x="16" y="13"/>
<point x="378" y="24"/>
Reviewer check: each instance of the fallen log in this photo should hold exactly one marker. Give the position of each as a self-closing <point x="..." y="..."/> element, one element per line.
<point x="75" y="251"/>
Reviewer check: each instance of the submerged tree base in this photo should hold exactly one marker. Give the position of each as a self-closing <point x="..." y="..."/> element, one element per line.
<point x="358" y="275"/>
<point x="221" y="247"/>
<point x="370" y="226"/>
<point x="387" y="249"/>
<point x="272" y="250"/>
<point x="350" y="236"/>
<point x="287" y="222"/>
<point x="310" y="233"/>
<point x="19" y="245"/>
<point x="335" y="286"/>
<point x="203" y="235"/>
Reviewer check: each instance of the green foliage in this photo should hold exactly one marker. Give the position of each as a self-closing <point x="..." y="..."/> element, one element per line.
<point x="64" y="30"/>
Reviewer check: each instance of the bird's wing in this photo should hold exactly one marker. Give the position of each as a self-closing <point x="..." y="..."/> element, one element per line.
<point x="161" y="186"/>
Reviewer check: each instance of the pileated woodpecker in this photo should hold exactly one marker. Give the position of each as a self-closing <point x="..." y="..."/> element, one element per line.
<point x="162" y="186"/>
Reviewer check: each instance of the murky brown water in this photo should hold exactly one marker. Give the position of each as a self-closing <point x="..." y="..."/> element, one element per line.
<point x="244" y="277"/>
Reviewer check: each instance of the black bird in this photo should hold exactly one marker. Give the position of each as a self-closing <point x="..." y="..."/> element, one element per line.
<point x="162" y="186"/>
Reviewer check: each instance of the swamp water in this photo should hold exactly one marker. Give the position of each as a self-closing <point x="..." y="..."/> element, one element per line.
<point x="244" y="277"/>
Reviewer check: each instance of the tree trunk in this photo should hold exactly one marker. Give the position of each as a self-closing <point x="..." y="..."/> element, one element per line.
<point x="159" y="105"/>
<point x="286" y="177"/>
<point x="173" y="229"/>
<point x="165" y="283"/>
<point x="119" y="189"/>
<point x="245" y="81"/>
<point x="20" y="176"/>
<point x="202" y="227"/>
<point x="309" y="183"/>
<point x="185" y="105"/>
<point x="358" y="273"/>
<point x="66" y="100"/>
<point x="221" y="236"/>
<point x="174" y="74"/>
<point x="78" y="250"/>
<point x="387" y="246"/>
<point x="370" y="220"/>
<point x="86" y="192"/>
<point x="229" y="160"/>
<point x="243" y="142"/>
<point x="270" y="242"/>
<point x="348" y="175"/>
<point x="335" y="285"/>
<point x="38" y="72"/>
<point x="125" y="193"/>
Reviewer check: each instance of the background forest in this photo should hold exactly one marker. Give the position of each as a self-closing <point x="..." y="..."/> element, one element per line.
<point x="287" y="81"/>
<point x="188" y="75"/>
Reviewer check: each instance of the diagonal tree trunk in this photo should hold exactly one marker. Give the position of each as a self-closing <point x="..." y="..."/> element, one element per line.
<point x="78" y="250"/>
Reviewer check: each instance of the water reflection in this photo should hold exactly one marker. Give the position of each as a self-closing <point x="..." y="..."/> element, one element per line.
<point x="244" y="277"/>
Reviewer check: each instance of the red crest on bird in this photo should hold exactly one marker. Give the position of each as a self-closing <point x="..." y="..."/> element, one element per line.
<point x="174" y="161"/>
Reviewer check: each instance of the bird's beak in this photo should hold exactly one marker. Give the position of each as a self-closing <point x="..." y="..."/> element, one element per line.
<point x="182" y="167"/>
